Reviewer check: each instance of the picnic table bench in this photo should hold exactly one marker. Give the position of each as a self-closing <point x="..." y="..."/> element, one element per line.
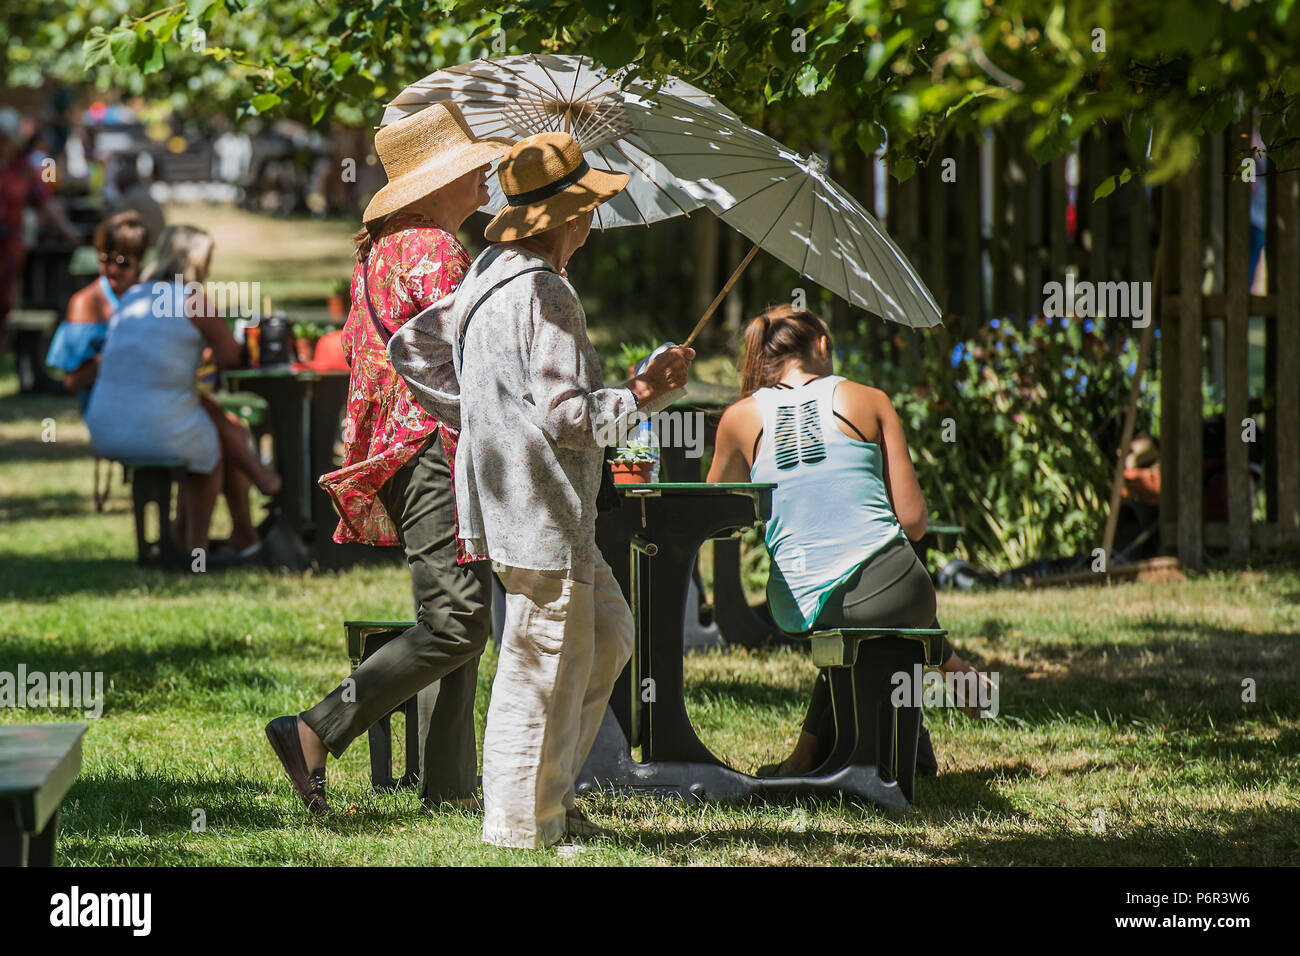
<point x="663" y="525"/>
<point x="651" y="543"/>
<point x="38" y="763"/>
<point x="363" y="639"/>
<point x="303" y="409"/>
<point x="31" y="330"/>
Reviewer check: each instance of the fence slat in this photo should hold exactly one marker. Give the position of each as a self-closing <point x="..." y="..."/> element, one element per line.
<point x="1000" y="223"/>
<point x="1057" y="198"/>
<point x="1190" y="479"/>
<point x="1098" y="212"/>
<point x="1170" y="336"/>
<point x="972" y="248"/>
<point x="937" y="199"/>
<point x="1236" y="370"/>
<point x="1286" y="408"/>
<point x="1018" y="183"/>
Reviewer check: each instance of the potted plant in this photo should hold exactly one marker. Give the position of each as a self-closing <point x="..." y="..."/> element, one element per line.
<point x="630" y="353"/>
<point x="633" y="463"/>
<point x="305" y="335"/>
<point x="340" y="289"/>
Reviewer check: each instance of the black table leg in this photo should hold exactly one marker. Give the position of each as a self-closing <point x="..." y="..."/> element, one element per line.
<point x="284" y="540"/>
<point x="739" y="623"/>
<point x="647" y="707"/>
<point x="13" y="836"/>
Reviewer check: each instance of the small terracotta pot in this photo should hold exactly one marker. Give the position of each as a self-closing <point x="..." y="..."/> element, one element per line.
<point x="631" y="472"/>
<point x="305" y="348"/>
<point x="337" y="306"/>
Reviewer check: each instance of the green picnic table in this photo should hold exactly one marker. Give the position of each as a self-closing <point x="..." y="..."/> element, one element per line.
<point x="38" y="763"/>
<point x="302" y="411"/>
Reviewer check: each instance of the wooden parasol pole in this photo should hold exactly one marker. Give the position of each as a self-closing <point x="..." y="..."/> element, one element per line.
<point x="720" y="296"/>
<point x="1130" y="414"/>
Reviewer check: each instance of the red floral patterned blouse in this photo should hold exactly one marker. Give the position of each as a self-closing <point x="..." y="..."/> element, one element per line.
<point x="413" y="263"/>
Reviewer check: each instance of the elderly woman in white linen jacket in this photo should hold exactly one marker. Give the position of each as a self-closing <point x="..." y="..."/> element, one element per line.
<point x="533" y="411"/>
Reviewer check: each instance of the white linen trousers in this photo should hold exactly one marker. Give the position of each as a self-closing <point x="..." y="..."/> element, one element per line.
<point x="567" y="635"/>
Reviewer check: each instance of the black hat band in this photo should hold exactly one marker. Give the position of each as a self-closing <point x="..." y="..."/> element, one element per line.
<point x="550" y="189"/>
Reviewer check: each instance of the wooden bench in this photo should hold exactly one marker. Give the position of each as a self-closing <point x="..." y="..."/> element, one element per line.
<point x="31" y="330"/>
<point x="872" y="760"/>
<point x="363" y="639"/>
<point x="38" y="763"/>
<point x="151" y="487"/>
<point x="875" y="742"/>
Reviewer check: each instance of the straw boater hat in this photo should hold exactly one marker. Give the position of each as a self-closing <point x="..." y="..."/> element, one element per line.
<point x="426" y="151"/>
<point x="546" y="183"/>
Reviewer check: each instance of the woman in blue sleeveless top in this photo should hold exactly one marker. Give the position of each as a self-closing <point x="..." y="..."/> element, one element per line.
<point x="846" y="503"/>
<point x="121" y="242"/>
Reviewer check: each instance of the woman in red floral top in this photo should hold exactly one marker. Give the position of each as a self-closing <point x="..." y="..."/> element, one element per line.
<point x="414" y="263"/>
<point x="395" y="486"/>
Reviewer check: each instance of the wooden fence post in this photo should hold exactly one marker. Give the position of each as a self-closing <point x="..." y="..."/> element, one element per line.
<point x="1190" y="478"/>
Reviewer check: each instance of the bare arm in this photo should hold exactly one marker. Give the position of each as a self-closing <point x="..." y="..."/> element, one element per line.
<point x="734" y="441"/>
<point x="83" y="309"/>
<point x="225" y="350"/>
<point x="900" y="478"/>
<point x="83" y="377"/>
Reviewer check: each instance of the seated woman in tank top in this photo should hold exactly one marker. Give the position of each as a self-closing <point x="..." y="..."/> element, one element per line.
<point x="845" y="506"/>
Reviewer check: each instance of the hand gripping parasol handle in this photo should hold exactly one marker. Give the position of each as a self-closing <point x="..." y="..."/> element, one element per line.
<point x="717" y="300"/>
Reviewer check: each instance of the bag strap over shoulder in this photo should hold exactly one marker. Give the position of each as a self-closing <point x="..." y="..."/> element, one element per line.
<point x="464" y="327"/>
<point x="383" y="333"/>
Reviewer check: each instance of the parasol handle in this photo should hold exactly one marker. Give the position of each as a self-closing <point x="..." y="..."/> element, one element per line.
<point x="717" y="300"/>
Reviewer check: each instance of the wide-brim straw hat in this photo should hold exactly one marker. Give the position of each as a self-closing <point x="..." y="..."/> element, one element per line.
<point x="424" y="152"/>
<point x="547" y="182"/>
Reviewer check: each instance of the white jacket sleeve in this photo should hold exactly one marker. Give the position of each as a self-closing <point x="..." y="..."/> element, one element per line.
<point x="574" y="408"/>
<point x="421" y="352"/>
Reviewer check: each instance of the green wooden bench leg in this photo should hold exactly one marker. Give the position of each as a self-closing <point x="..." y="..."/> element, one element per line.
<point x="40" y="848"/>
<point x="363" y="639"/>
<point x="869" y="730"/>
<point x="152" y="486"/>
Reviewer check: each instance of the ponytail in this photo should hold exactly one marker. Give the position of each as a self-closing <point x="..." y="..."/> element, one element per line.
<point x="364" y="238"/>
<point x="781" y="334"/>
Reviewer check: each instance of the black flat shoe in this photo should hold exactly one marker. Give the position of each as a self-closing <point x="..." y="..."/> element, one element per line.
<point x="283" y="735"/>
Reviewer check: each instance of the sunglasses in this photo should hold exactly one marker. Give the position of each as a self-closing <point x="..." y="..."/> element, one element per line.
<point x="121" y="261"/>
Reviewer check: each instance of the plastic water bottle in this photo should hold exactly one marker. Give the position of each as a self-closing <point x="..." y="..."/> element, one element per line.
<point x="646" y="437"/>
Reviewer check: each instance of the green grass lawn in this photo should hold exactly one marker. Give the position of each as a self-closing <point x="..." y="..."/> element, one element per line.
<point x="1125" y="700"/>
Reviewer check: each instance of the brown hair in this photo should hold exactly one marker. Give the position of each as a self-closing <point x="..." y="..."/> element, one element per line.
<point x="124" y="235"/>
<point x="364" y="238"/>
<point x="774" y="338"/>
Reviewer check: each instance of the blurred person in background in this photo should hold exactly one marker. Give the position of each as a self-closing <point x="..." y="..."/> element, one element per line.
<point x="21" y="187"/>
<point x="133" y="195"/>
<point x="120" y="242"/>
<point x="146" y="402"/>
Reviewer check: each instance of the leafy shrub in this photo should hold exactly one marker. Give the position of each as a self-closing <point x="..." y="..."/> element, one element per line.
<point x="1034" y="415"/>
